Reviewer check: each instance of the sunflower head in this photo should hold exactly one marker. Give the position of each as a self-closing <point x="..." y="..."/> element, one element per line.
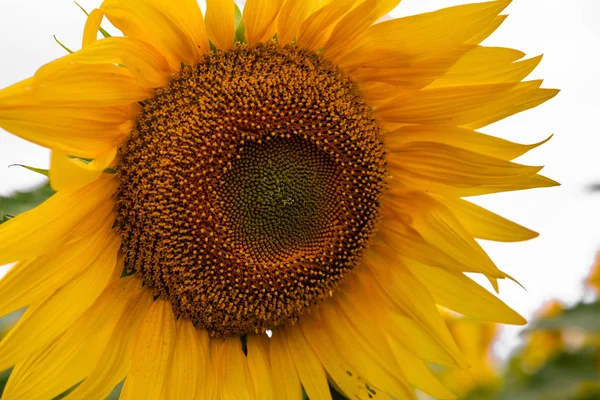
<point x="249" y="187"/>
<point x="300" y="169"/>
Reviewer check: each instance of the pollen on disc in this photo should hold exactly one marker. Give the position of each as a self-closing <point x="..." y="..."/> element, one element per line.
<point x="249" y="187"/>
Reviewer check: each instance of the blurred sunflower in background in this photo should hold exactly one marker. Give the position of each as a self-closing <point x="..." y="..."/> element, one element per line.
<point x="475" y="339"/>
<point x="264" y="205"/>
<point x="543" y="345"/>
<point x="560" y="354"/>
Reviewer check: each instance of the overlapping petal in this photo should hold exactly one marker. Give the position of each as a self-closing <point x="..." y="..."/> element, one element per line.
<point x="220" y="22"/>
<point x="405" y="41"/>
<point x="46" y="319"/>
<point x="178" y="32"/>
<point x="34" y="280"/>
<point x="449" y="170"/>
<point x="259" y="16"/>
<point x="152" y="354"/>
<point x="54" y="222"/>
<point x="315" y="30"/>
<point x="75" y="354"/>
<point x="189" y="362"/>
<point x="292" y="15"/>
<point x="69" y="128"/>
<point x="286" y="382"/>
<point x="112" y="366"/>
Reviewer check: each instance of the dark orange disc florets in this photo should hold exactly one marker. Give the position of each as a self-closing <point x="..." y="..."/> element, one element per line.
<point x="249" y="187"/>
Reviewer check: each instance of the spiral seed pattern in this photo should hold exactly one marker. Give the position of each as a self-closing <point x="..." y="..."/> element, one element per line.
<point x="249" y="187"/>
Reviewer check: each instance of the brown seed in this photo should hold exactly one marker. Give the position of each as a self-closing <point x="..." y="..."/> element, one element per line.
<point x="249" y="187"/>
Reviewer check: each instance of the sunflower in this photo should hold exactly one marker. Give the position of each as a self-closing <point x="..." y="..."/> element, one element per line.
<point x="475" y="339"/>
<point x="543" y="345"/>
<point x="592" y="281"/>
<point x="266" y="205"/>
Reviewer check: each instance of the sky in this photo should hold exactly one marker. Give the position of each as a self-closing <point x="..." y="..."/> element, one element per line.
<point x="567" y="33"/>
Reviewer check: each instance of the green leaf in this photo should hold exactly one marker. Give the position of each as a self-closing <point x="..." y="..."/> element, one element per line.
<point x="582" y="316"/>
<point x="68" y="50"/>
<point x="102" y="31"/>
<point x="237" y="16"/>
<point x="240" y="28"/>
<point x="20" y="202"/>
<point x="559" y="379"/>
<point x="3" y="379"/>
<point x="335" y="395"/>
<point x="482" y="393"/>
<point x="4" y="217"/>
<point x="40" y="171"/>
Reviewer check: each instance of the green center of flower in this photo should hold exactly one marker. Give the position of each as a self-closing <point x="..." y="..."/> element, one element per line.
<point x="249" y="187"/>
<point x="279" y="198"/>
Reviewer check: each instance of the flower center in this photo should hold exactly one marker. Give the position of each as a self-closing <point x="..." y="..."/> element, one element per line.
<point x="249" y="187"/>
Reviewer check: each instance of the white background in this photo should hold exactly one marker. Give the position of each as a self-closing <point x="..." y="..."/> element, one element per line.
<point x="566" y="32"/>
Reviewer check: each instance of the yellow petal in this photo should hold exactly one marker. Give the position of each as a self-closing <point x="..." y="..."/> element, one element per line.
<point x="220" y="22"/>
<point x="32" y="281"/>
<point x="211" y="388"/>
<point x="419" y="374"/>
<point x="25" y="364"/>
<point x="92" y="26"/>
<point x="457" y="292"/>
<point x="354" y="23"/>
<point x="421" y="342"/>
<point x="292" y="15"/>
<point x="87" y="78"/>
<point x="376" y="93"/>
<point x="91" y="85"/>
<point x="315" y="30"/>
<point x="366" y="325"/>
<point x="187" y="363"/>
<point x="75" y="353"/>
<point x="410" y="297"/>
<point x="487" y="30"/>
<point x="81" y="132"/>
<point x="152" y="354"/>
<point x="440" y="228"/>
<point x="521" y="98"/>
<point x="146" y="64"/>
<point x="311" y="372"/>
<point x="341" y="374"/>
<point x="51" y="224"/>
<point x="258" y="364"/>
<point x="458" y="137"/>
<point x="234" y="378"/>
<point x="452" y="106"/>
<point x="258" y="16"/>
<point x="175" y="29"/>
<point x="415" y="248"/>
<point x="404" y="41"/>
<point x="407" y="76"/>
<point x="361" y="354"/>
<point x="206" y="377"/>
<point x="363" y="301"/>
<point x="28" y="110"/>
<point x="487" y="65"/>
<point x="484" y="224"/>
<point x="48" y="318"/>
<point x="358" y="307"/>
<point x="286" y="383"/>
<point x="113" y="365"/>
<point x="463" y="65"/>
<point x="68" y="173"/>
<point x="453" y="171"/>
